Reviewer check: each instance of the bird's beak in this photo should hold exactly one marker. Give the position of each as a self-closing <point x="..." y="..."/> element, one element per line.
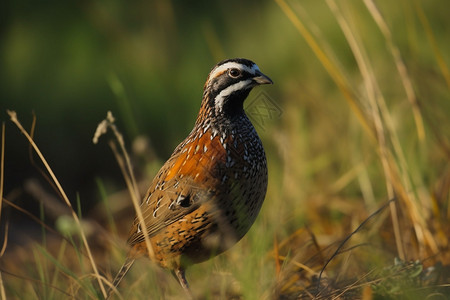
<point x="260" y="78"/>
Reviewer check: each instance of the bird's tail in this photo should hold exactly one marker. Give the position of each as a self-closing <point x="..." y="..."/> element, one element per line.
<point x="120" y="275"/>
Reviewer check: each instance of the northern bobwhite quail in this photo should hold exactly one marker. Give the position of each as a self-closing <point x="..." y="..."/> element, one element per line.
<point x="207" y="195"/>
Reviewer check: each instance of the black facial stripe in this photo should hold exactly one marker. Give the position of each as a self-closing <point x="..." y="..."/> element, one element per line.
<point x="222" y="82"/>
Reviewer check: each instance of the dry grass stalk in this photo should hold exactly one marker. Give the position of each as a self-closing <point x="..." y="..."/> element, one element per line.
<point x="97" y="275"/>
<point x="329" y="65"/>
<point x="124" y="162"/>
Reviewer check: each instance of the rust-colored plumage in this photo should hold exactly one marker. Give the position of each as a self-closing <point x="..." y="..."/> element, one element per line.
<point x="209" y="192"/>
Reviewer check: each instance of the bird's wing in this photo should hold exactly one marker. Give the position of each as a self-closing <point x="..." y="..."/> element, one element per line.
<point x="184" y="182"/>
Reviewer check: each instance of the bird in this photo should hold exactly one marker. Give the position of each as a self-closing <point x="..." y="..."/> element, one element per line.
<point x="207" y="195"/>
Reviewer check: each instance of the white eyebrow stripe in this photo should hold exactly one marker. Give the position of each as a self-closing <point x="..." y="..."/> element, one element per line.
<point x="230" y="65"/>
<point x="218" y="101"/>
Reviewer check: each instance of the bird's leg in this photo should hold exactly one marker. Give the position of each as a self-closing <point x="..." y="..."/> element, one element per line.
<point x="120" y="275"/>
<point x="179" y="274"/>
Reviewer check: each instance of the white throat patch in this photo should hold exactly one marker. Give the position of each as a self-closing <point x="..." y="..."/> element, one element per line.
<point x="220" y="98"/>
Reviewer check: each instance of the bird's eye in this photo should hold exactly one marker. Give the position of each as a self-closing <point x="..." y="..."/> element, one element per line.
<point x="234" y="72"/>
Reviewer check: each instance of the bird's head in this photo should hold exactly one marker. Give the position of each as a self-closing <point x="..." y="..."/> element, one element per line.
<point x="229" y="83"/>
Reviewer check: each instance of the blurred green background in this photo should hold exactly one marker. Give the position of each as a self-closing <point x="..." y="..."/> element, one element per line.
<point x="69" y="62"/>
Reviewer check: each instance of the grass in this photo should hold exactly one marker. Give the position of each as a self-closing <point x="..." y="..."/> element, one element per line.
<point x="364" y="120"/>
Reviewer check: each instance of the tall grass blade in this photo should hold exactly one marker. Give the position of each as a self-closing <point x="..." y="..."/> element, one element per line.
<point x="429" y="32"/>
<point x="331" y="68"/>
<point x="15" y="120"/>
<point x="2" y="169"/>
<point x="400" y="65"/>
